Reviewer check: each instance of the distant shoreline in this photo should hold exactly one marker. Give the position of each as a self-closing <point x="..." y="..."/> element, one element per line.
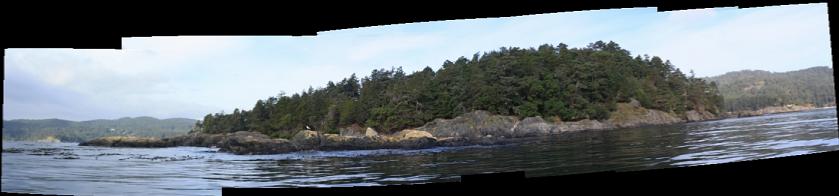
<point x="721" y="118"/>
<point x="773" y="110"/>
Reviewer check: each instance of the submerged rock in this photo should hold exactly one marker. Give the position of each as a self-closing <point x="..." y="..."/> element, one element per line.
<point x="126" y="141"/>
<point x="12" y="150"/>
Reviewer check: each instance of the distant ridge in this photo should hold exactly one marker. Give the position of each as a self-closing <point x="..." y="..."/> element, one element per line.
<point x="756" y="89"/>
<point x="77" y="131"/>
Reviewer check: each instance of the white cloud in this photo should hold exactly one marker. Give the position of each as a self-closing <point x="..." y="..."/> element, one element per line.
<point x="389" y="44"/>
<point x="760" y="39"/>
<point x="125" y="80"/>
<point x="192" y="76"/>
<point x="685" y="16"/>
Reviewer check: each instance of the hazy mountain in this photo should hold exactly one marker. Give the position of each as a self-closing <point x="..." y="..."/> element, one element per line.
<point x="73" y="131"/>
<point x="755" y="89"/>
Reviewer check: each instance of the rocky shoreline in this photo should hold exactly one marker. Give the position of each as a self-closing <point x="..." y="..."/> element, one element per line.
<point x="474" y="128"/>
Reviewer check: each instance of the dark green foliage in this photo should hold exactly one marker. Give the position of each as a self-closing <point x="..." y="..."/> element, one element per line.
<point x="572" y="84"/>
<point x="756" y="89"/>
<point x="72" y="131"/>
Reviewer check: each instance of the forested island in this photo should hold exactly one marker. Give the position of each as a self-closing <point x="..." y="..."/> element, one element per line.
<point x="555" y="82"/>
<point x="79" y="131"/>
<point x="494" y="97"/>
<point x="745" y="93"/>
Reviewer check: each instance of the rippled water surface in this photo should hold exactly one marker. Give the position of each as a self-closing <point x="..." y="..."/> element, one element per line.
<point x="65" y="168"/>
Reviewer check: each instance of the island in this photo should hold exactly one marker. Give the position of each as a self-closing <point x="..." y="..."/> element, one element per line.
<point x="493" y="98"/>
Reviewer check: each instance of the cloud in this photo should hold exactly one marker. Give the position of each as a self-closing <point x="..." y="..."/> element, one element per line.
<point x="782" y="38"/>
<point x="389" y="44"/>
<point x="138" y="80"/>
<point x="26" y="96"/>
<point x="687" y="16"/>
<point x="193" y="76"/>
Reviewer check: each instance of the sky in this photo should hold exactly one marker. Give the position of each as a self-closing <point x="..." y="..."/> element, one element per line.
<point x="168" y="77"/>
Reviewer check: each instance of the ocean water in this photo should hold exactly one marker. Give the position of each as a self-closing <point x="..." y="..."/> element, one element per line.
<point x="66" y="168"/>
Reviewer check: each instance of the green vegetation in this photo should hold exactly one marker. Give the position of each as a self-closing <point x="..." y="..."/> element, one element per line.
<point x="549" y="81"/>
<point x="756" y="89"/>
<point x="71" y="131"/>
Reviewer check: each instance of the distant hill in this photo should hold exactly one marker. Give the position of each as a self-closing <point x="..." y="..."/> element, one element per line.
<point x="755" y="89"/>
<point x="72" y="131"/>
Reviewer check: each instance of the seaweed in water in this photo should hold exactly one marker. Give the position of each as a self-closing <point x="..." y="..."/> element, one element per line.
<point x="12" y="150"/>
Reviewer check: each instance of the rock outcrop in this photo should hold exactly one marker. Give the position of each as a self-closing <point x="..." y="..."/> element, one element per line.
<point x="474" y="128"/>
<point x="306" y="139"/>
<point x="126" y="141"/>
<point x="633" y="115"/>
<point x="694" y="115"/>
<point x="472" y="125"/>
<point x="480" y="124"/>
<point x="370" y="132"/>
<point x="534" y="126"/>
<point x="411" y="134"/>
<point x="244" y="142"/>
<point x="352" y="131"/>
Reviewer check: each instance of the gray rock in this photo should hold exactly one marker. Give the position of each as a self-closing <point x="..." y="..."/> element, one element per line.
<point x="694" y="115"/>
<point x="254" y="143"/>
<point x="306" y="139"/>
<point x="473" y="125"/>
<point x="352" y="131"/>
<point x="533" y="126"/>
<point x="584" y="125"/>
<point x="411" y="134"/>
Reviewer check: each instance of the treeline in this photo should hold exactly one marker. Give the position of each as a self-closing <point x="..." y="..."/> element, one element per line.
<point x="549" y="81"/>
<point x="72" y="131"/>
<point x="756" y="89"/>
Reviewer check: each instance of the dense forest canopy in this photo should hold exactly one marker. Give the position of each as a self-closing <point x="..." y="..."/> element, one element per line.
<point x="73" y="131"/>
<point x="550" y="81"/>
<point x="756" y="89"/>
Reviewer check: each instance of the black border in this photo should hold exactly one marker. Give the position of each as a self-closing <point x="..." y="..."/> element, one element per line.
<point x="93" y="27"/>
